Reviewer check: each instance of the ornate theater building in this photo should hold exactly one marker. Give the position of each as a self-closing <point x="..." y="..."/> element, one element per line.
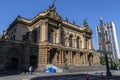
<point x="46" y="39"/>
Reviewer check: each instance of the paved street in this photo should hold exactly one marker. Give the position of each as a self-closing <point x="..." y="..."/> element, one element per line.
<point x="62" y="76"/>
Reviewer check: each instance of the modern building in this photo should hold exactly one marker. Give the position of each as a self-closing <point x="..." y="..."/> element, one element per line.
<point x="111" y="43"/>
<point x="47" y="39"/>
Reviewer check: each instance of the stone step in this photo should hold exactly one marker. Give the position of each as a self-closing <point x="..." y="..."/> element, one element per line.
<point x="85" y="68"/>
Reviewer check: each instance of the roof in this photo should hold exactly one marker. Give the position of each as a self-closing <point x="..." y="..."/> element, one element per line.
<point x="52" y="14"/>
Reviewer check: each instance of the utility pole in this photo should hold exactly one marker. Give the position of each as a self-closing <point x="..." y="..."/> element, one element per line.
<point x="103" y="33"/>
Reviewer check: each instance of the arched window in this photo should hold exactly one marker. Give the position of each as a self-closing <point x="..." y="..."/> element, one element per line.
<point x="70" y="41"/>
<point x="34" y="35"/>
<point x="77" y="42"/>
<point x="80" y="46"/>
<point x="62" y="38"/>
<point x="50" y="35"/>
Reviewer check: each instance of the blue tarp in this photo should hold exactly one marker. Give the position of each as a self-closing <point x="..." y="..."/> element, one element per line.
<point x="51" y="70"/>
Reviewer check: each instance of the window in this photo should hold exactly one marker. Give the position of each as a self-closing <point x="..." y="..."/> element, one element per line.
<point x="80" y="44"/>
<point x="23" y="37"/>
<point x="50" y="36"/>
<point x="14" y="38"/>
<point x="70" y="41"/>
<point x="34" y="35"/>
<point x="9" y="34"/>
<point x="77" y="42"/>
<point x="14" y="30"/>
<point x="62" y="38"/>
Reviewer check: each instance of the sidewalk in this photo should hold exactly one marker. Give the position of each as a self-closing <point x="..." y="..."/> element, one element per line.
<point x="96" y="74"/>
<point x="63" y="76"/>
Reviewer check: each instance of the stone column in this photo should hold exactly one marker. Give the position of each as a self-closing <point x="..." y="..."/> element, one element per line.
<point x="54" y="36"/>
<point x="84" y="44"/>
<point x="62" y="56"/>
<point x="78" y="58"/>
<point x="58" y="35"/>
<point x="42" y="56"/>
<point x="67" y="40"/>
<point x="87" y="59"/>
<point x="80" y="44"/>
<point x="75" y="44"/>
<point x="71" y="58"/>
<point x="86" y="62"/>
<point x="84" y="58"/>
<point x="48" y="56"/>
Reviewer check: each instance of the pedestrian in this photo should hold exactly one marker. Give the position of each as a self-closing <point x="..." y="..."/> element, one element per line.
<point x="101" y="74"/>
<point x="30" y="70"/>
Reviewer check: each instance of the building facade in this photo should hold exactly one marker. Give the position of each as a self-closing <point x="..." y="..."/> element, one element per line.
<point x="48" y="39"/>
<point x="111" y="43"/>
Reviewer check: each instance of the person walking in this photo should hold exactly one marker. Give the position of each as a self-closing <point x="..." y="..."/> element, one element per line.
<point x="30" y="70"/>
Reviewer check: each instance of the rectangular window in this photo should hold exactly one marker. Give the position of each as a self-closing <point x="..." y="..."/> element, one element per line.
<point x="14" y="30"/>
<point x="14" y="38"/>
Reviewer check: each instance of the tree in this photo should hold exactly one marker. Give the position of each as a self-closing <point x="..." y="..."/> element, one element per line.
<point x="102" y="57"/>
<point x="109" y="53"/>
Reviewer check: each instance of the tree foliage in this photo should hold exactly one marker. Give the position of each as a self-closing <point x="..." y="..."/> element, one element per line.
<point x="102" y="56"/>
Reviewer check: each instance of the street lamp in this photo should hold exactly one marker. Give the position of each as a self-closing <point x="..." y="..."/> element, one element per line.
<point x="108" y="73"/>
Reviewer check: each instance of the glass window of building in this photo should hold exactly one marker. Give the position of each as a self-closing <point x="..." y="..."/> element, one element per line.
<point x="70" y="41"/>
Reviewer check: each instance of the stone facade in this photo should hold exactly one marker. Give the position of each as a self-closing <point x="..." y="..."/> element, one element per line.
<point x="56" y="41"/>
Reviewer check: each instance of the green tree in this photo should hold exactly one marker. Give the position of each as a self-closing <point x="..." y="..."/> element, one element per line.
<point x="102" y="57"/>
<point x="111" y="63"/>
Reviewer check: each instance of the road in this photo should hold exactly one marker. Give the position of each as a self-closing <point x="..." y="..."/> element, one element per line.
<point x="96" y="75"/>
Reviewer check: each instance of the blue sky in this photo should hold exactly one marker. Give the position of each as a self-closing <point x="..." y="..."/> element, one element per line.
<point x="76" y="10"/>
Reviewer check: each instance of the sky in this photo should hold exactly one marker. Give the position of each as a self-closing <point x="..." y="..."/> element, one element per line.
<point x="76" y="10"/>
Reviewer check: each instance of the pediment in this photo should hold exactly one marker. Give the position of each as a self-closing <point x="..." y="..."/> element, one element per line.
<point x="53" y="14"/>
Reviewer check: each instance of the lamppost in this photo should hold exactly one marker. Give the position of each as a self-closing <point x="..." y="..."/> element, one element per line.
<point x="103" y="33"/>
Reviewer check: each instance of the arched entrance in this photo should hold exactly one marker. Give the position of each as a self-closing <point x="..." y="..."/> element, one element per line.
<point x="34" y="57"/>
<point x="90" y="59"/>
<point x="52" y="55"/>
<point x="33" y="60"/>
<point x="12" y="59"/>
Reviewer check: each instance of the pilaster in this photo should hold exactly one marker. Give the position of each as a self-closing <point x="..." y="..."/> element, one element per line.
<point x="42" y="56"/>
<point x="84" y="42"/>
<point x="44" y="31"/>
<point x="58" y="35"/>
<point x="71" y="57"/>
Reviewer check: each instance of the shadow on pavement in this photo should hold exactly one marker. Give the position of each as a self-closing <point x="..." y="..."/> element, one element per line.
<point x="9" y="73"/>
<point x="76" y="77"/>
